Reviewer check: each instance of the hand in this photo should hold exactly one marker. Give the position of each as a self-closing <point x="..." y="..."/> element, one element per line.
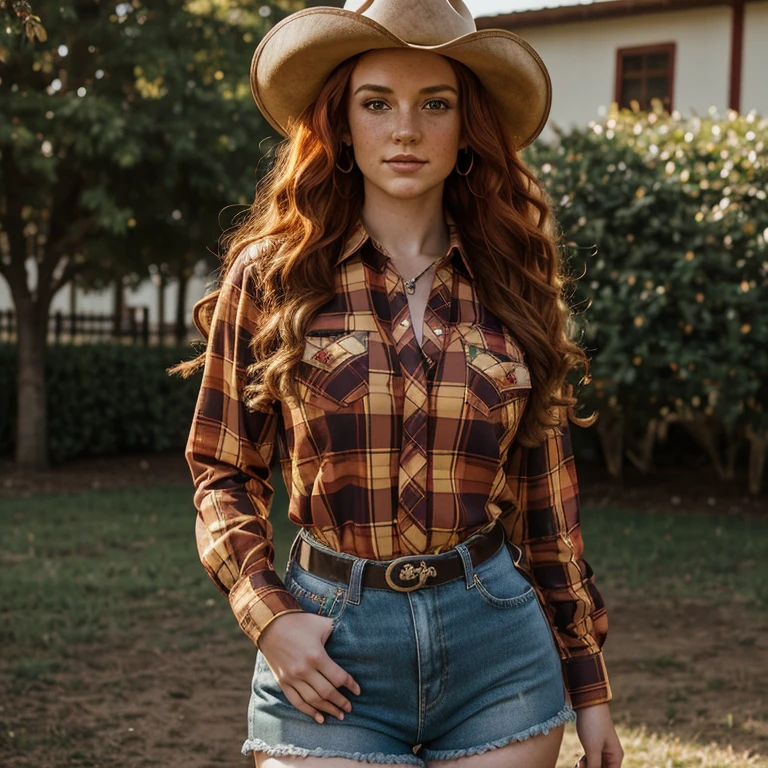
<point x="597" y="735"/>
<point x="294" y="646"/>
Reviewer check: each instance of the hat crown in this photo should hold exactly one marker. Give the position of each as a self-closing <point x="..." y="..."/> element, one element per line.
<point x="418" y="22"/>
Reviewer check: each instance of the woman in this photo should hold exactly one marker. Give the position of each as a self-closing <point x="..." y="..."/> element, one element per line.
<point x="390" y="324"/>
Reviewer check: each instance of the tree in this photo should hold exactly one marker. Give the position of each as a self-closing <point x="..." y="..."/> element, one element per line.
<point x="19" y="13"/>
<point x="128" y="129"/>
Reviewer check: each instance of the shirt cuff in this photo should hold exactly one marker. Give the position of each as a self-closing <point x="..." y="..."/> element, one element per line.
<point x="258" y="599"/>
<point x="586" y="680"/>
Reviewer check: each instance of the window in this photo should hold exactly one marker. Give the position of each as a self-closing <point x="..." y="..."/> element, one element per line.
<point x="645" y="73"/>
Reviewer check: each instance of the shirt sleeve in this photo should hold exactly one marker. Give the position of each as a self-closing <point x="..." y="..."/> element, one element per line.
<point x="547" y="529"/>
<point x="229" y="451"/>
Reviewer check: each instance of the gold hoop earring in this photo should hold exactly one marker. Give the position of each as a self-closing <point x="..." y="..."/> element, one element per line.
<point x="351" y="161"/>
<point x="471" y="163"/>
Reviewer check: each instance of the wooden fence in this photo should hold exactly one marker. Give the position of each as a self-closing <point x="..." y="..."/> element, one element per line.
<point x="88" y="328"/>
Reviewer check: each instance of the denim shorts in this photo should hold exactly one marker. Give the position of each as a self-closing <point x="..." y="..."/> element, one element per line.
<point x="448" y="670"/>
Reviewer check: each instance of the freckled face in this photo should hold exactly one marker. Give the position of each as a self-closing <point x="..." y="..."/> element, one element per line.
<point x="404" y="103"/>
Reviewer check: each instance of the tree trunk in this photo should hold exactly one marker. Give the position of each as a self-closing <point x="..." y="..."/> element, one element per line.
<point x="181" y="306"/>
<point x="31" y="411"/>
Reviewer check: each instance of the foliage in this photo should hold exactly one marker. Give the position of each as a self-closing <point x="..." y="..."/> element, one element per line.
<point x="19" y="14"/>
<point x="665" y="217"/>
<point x="106" y="399"/>
<point x="126" y="130"/>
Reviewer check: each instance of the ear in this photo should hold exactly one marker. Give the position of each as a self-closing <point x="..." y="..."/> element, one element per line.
<point x="346" y="138"/>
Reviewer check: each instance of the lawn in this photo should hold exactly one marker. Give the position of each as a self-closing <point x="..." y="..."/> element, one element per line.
<point x="100" y="586"/>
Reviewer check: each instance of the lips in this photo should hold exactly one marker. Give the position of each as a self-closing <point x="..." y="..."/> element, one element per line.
<point x="405" y="163"/>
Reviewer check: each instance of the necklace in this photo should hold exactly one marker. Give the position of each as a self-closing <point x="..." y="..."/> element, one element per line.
<point x="410" y="283"/>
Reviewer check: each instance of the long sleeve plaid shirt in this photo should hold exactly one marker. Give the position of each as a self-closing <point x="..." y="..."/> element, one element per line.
<point x="391" y="448"/>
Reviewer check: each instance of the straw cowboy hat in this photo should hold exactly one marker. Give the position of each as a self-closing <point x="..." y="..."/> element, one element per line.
<point x="297" y="55"/>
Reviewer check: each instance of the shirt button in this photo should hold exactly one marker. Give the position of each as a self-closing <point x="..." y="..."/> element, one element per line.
<point x="404" y="323"/>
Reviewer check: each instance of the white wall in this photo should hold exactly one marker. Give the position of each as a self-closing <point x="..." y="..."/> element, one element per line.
<point x="581" y="59"/>
<point x="754" y="84"/>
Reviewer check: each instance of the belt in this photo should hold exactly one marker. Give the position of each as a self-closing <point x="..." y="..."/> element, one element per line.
<point x="405" y="573"/>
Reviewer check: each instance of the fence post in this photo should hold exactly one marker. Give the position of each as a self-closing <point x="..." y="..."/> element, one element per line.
<point x="145" y="325"/>
<point x="58" y="323"/>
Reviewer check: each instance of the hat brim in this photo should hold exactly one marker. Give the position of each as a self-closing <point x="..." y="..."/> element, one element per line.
<point x="295" y="58"/>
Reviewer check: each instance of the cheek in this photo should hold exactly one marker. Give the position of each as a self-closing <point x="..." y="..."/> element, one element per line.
<point x="369" y="131"/>
<point x="444" y="142"/>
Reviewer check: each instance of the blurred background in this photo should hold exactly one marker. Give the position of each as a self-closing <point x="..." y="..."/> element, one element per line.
<point x="129" y="142"/>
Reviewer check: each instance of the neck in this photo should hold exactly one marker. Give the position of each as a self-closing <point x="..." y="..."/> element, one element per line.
<point x="412" y="231"/>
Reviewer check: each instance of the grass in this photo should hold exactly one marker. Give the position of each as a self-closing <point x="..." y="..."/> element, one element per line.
<point x="80" y="567"/>
<point x="652" y="750"/>
<point x="715" y="557"/>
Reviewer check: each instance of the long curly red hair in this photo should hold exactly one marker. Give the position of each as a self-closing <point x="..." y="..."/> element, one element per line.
<point x="304" y="206"/>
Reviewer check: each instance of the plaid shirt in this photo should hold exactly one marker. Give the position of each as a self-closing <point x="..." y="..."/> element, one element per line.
<point x="390" y="449"/>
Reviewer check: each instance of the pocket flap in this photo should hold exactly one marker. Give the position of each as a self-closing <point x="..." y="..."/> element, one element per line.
<point x="325" y="351"/>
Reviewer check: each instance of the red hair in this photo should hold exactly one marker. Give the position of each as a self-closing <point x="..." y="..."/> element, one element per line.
<point x="304" y="207"/>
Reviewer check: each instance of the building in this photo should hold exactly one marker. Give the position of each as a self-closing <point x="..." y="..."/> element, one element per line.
<point x="692" y="54"/>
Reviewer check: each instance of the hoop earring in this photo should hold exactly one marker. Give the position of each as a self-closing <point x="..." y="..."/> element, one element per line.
<point x="351" y="161"/>
<point x="471" y="162"/>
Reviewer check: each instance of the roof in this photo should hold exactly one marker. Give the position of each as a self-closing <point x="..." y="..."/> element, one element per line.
<point x="591" y="11"/>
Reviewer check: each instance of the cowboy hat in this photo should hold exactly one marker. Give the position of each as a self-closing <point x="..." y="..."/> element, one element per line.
<point x="295" y="58"/>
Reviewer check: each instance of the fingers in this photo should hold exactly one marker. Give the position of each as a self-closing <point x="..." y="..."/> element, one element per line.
<point x="326" y="697"/>
<point x="338" y="676"/>
<point x="316" y="684"/>
<point x="295" y="698"/>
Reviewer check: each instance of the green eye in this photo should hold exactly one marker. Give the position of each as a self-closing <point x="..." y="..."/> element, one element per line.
<point x="369" y="104"/>
<point x="440" y="102"/>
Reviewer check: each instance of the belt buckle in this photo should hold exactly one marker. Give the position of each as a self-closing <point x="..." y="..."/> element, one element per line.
<point x="408" y="573"/>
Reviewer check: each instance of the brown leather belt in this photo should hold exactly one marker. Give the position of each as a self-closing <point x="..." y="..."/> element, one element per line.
<point x="403" y="574"/>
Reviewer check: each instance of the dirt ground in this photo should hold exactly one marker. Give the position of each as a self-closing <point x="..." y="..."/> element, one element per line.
<point x="701" y="674"/>
<point x="691" y="668"/>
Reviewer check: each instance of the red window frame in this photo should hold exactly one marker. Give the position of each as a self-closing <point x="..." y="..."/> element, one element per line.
<point x="644" y="73"/>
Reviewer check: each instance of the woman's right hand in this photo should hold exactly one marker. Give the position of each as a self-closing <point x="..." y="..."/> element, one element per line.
<point x="294" y="646"/>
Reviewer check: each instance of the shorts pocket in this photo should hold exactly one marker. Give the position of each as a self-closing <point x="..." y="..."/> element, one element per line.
<point x="315" y="594"/>
<point x="500" y="583"/>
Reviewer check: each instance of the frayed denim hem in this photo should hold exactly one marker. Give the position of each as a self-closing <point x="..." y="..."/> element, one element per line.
<point x="566" y="714"/>
<point x="364" y="757"/>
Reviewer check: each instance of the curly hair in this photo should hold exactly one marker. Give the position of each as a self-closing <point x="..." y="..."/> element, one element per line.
<point x="302" y="212"/>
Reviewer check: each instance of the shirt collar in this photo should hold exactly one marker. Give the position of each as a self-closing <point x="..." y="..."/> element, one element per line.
<point x="358" y="235"/>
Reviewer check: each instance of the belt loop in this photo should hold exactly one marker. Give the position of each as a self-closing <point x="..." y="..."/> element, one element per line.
<point x="294" y="546"/>
<point x="356" y="580"/>
<point x="466" y="559"/>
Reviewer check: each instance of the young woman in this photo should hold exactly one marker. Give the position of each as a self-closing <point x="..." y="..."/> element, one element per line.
<point x="390" y="324"/>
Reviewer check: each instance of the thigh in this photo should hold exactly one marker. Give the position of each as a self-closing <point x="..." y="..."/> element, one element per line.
<point x="539" y="751"/>
<point x="262" y="760"/>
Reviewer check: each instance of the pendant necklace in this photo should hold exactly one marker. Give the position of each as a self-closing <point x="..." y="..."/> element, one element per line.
<point x="410" y="283"/>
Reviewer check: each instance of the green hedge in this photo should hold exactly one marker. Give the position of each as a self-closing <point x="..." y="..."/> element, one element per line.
<point x="106" y="399"/>
<point x="667" y="222"/>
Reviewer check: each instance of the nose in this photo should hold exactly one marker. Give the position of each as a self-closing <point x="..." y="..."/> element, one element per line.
<point x="406" y="130"/>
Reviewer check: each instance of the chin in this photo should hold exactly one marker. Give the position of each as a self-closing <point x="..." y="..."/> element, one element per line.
<point x="405" y="189"/>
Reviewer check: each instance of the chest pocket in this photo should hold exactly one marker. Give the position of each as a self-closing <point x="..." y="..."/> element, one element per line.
<point x="496" y="373"/>
<point x="333" y="371"/>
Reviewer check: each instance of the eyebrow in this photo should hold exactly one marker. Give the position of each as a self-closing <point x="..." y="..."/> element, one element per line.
<point x="384" y="89"/>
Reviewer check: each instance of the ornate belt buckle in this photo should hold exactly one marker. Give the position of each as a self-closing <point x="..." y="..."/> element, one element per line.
<point x="408" y="572"/>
